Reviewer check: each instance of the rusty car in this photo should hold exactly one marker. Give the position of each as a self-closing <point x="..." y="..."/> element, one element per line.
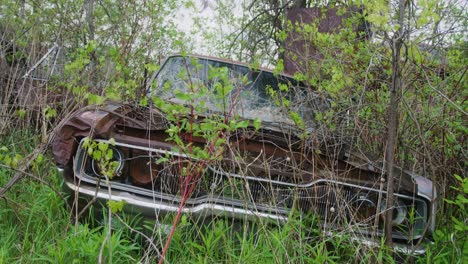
<point x="263" y="172"/>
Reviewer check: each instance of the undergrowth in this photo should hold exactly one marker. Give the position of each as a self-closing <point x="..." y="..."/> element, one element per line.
<point x="36" y="227"/>
<point x="35" y="220"/>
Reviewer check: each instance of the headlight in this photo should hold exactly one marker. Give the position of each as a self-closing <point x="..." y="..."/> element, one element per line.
<point x="364" y="210"/>
<point x="116" y="163"/>
<point x="410" y="214"/>
<point x="400" y="212"/>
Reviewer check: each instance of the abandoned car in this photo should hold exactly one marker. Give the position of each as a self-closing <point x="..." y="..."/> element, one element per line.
<point x="220" y="138"/>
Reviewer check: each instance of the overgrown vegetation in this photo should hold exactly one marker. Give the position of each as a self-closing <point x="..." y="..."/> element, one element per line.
<point x="91" y="51"/>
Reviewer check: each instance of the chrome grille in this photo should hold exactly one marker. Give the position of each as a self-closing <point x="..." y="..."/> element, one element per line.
<point x="320" y="199"/>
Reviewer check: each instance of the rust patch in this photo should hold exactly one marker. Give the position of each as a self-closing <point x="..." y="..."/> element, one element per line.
<point x="100" y="122"/>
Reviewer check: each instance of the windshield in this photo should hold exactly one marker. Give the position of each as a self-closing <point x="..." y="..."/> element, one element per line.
<point x="234" y="89"/>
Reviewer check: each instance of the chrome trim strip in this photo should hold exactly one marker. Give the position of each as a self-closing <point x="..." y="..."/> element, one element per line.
<point x="202" y="209"/>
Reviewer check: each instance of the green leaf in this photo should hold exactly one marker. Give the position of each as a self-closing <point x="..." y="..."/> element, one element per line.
<point x="319" y="116"/>
<point x="97" y="155"/>
<point x="296" y="118"/>
<point x="283" y="87"/>
<point x="206" y="126"/>
<point x="116" y="206"/>
<point x="182" y="96"/>
<point x="102" y="146"/>
<point x="16" y="160"/>
<point x="162" y="160"/>
<point x="202" y="154"/>
<point x="7" y="160"/>
<point x="257" y="123"/>
<point x="219" y="142"/>
<point x="39" y="158"/>
<point x="109" y="154"/>
<point x="20" y="113"/>
<point x="242" y="124"/>
<point x="50" y="112"/>
<point x="94" y="99"/>
<point x="144" y="101"/>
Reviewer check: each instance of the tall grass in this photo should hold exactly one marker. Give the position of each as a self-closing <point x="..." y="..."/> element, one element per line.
<point x="35" y="221"/>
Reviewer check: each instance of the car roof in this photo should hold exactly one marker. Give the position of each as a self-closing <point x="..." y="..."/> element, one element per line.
<point x="226" y="61"/>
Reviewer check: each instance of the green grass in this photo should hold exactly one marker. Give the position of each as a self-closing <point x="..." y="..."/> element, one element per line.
<point x="223" y="241"/>
<point x="35" y="223"/>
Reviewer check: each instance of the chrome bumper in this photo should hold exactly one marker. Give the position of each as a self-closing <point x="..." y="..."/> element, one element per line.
<point x="155" y="209"/>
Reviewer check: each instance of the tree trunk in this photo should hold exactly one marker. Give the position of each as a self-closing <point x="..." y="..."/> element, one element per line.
<point x="396" y="86"/>
<point x="90" y="18"/>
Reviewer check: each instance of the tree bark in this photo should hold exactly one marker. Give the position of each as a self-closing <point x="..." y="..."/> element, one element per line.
<point x="396" y="86"/>
<point x="90" y="18"/>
